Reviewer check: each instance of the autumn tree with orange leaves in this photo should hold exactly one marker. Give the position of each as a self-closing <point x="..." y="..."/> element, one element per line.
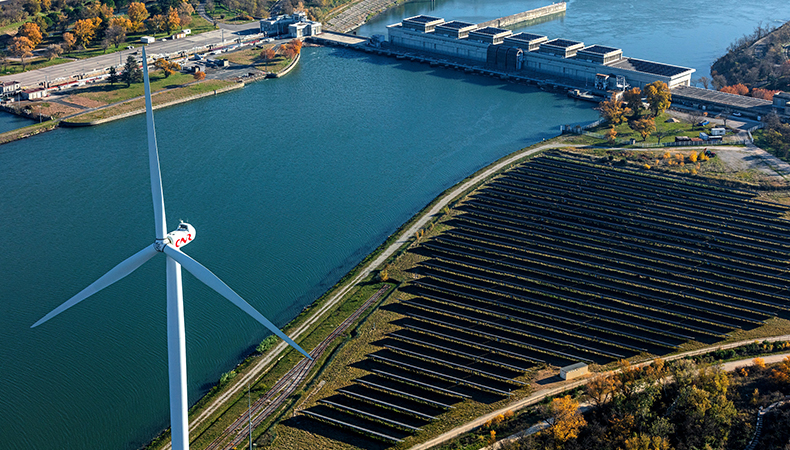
<point x="738" y="89"/>
<point x="31" y="31"/>
<point x="565" y="421"/>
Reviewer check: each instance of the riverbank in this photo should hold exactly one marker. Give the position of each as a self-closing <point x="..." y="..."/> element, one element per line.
<point x="104" y="113"/>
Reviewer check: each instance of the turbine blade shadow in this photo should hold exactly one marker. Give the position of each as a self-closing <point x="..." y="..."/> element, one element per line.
<point x="128" y="266"/>
<point x="212" y="281"/>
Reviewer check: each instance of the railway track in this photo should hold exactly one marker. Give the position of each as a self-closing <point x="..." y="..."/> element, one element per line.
<point x="262" y="408"/>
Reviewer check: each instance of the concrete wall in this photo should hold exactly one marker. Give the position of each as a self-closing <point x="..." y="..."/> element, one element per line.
<point x="556" y="8"/>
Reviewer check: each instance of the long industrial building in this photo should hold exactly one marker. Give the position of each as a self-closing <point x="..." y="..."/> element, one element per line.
<point x="596" y="66"/>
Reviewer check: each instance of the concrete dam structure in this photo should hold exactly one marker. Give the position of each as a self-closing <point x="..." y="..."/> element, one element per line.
<point x="556" y="8"/>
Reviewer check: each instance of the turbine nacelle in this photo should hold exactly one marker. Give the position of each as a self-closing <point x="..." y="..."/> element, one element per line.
<point x="182" y="236"/>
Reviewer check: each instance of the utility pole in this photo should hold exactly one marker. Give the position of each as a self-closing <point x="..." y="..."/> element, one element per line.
<point x="249" y="411"/>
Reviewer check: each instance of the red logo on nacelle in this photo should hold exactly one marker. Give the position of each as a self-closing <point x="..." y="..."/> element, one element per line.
<point x="183" y="241"/>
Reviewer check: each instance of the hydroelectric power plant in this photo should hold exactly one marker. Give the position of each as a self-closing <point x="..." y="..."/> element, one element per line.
<point x="486" y="48"/>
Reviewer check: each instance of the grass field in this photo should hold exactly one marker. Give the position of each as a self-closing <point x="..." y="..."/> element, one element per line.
<point x="252" y="57"/>
<point x="167" y="96"/>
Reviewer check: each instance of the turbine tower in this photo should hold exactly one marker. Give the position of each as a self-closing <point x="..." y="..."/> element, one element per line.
<point x="170" y="244"/>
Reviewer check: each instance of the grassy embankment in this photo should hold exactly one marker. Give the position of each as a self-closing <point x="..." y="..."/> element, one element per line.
<point x="29" y="130"/>
<point x="165" y="90"/>
<point x="666" y="130"/>
<point x="252" y="57"/>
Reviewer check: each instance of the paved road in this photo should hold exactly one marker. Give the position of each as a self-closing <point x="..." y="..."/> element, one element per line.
<point x="98" y="64"/>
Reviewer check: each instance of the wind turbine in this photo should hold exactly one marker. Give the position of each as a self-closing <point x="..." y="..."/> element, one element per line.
<point x="170" y="244"/>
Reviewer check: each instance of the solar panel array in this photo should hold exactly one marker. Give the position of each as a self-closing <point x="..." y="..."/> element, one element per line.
<point x="557" y="261"/>
<point x="563" y="43"/>
<point x="655" y="68"/>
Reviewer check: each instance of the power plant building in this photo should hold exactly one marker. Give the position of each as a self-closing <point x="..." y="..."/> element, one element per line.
<point x="560" y="59"/>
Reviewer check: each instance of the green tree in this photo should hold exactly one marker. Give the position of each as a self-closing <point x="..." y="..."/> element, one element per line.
<point x="658" y="97"/>
<point x="131" y="72"/>
<point x="113" y="78"/>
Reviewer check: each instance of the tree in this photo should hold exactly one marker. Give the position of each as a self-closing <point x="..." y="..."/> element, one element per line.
<point x="156" y="23"/>
<point x="296" y="44"/>
<point x="115" y="34"/>
<point x="53" y="51"/>
<point x="658" y="97"/>
<point x="85" y="30"/>
<point x="611" y="135"/>
<point x="661" y="134"/>
<point x="105" y="44"/>
<point x="781" y="373"/>
<point x="199" y="75"/>
<point x="600" y="389"/>
<point x="173" y="22"/>
<point x="738" y="89"/>
<point x="21" y="47"/>
<point x="288" y="51"/>
<point x="137" y="14"/>
<point x="564" y="419"/>
<point x="268" y="54"/>
<point x="612" y="110"/>
<point x="645" y="127"/>
<point x="166" y="66"/>
<point x="69" y="40"/>
<point x="113" y="78"/>
<point x="645" y="442"/>
<point x="695" y="116"/>
<point x="633" y="98"/>
<point x="31" y="31"/>
<point x="704" y="81"/>
<point x="32" y="7"/>
<point x="131" y="72"/>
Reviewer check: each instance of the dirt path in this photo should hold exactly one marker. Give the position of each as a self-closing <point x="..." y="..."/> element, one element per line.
<point x="568" y="385"/>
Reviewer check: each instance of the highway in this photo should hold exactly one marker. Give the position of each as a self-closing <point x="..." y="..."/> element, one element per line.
<point x="94" y="66"/>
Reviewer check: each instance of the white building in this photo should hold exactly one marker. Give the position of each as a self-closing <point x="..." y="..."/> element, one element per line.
<point x="577" y="370"/>
<point x="557" y="58"/>
<point x="295" y="25"/>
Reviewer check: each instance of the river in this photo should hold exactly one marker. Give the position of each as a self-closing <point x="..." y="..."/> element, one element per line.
<point x="289" y="183"/>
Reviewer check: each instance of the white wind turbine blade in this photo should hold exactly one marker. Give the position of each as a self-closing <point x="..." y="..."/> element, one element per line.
<point x="212" y="281"/>
<point x="118" y="272"/>
<point x="153" y="158"/>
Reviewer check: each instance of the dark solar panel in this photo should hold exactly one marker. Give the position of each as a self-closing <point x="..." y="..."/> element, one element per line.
<point x="456" y="24"/>
<point x="600" y="49"/>
<point x="641" y="65"/>
<point x="423" y="19"/>
<point x="565" y="43"/>
<point x="526" y="37"/>
<point x="491" y="31"/>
